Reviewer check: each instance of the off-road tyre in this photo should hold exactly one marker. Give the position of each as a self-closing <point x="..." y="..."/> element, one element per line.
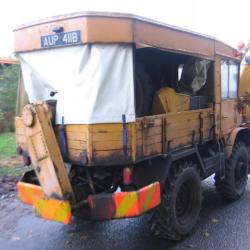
<point x="180" y="205"/>
<point x="233" y="186"/>
<point x="144" y="91"/>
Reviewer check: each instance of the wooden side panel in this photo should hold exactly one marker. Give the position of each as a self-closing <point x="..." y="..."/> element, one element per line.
<point x="149" y="136"/>
<point x="108" y="145"/>
<point x="160" y="134"/>
<point x="186" y="128"/>
<point x="102" y="144"/>
<point x="77" y="138"/>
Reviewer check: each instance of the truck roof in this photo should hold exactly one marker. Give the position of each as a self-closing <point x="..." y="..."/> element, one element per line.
<point x="106" y="27"/>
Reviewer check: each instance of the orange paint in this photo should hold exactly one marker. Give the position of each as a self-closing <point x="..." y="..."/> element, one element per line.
<point x="27" y="192"/>
<point x="125" y="204"/>
<point x="50" y="209"/>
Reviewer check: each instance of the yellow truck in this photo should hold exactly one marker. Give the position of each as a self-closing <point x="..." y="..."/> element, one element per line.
<point x="120" y="115"/>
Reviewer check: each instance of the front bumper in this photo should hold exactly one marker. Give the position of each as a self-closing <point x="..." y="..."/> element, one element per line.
<point x="101" y="206"/>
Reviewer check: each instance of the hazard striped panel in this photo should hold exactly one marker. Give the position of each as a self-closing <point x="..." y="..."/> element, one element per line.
<point x="125" y="204"/>
<point x="27" y="192"/>
<point x="50" y="209"/>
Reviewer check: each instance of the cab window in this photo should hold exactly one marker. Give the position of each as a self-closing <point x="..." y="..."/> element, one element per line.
<point x="229" y="79"/>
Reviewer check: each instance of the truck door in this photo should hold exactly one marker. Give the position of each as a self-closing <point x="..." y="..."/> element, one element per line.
<point x="230" y="116"/>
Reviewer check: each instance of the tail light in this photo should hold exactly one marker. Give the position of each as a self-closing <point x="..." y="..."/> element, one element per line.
<point x="127" y="176"/>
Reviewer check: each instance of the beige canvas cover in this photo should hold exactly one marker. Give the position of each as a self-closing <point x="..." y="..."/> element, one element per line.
<point x="94" y="82"/>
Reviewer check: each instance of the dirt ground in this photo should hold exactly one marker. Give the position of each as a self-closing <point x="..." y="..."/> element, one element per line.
<point x="7" y="186"/>
<point x="10" y="171"/>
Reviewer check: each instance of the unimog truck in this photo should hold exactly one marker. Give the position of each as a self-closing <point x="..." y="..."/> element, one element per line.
<point x="120" y="115"/>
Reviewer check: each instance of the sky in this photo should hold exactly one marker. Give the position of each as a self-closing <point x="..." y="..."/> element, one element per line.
<point x="227" y="20"/>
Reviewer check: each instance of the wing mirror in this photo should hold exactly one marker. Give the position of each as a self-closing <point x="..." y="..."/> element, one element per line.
<point x="247" y="58"/>
<point x="53" y="93"/>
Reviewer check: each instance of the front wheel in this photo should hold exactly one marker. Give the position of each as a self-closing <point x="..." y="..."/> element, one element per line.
<point x="232" y="187"/>
<point x="180" y="207"/>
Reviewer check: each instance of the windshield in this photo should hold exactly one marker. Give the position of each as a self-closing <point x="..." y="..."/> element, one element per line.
<point x="94" y="82"/>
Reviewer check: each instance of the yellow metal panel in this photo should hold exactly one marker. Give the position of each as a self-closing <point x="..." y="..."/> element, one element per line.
<point x="167" y="100"/>
<point x="228" y="115"/>
<point x="217" y="95"/>
<point x="244" y="79"/>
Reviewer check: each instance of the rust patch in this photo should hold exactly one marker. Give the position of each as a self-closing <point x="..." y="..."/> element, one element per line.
<point x="116" y="157"/>
<point x="102" y="208"/>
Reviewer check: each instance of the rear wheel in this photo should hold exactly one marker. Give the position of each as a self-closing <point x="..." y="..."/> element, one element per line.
<point x="232" y="187"/>
<point x="180" y="205"/>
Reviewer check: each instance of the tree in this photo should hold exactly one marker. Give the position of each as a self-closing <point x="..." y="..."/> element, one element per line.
<point x="8" y="91"/>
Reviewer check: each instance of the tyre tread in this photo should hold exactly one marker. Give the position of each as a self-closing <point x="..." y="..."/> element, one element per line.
<point x="225" y="187"/>
<point x="162" y="222"/>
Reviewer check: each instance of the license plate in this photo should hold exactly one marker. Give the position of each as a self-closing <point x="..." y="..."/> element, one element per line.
<point x="61" y="39"/>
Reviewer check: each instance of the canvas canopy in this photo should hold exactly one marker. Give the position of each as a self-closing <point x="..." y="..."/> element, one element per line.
<point x="94" y="82"/>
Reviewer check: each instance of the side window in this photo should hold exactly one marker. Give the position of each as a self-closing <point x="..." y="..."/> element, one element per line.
<point x="180" y="69"/>
<point x="224" y="79"/>
<point x="229" y="79"/>
<point x="233" y="80"/>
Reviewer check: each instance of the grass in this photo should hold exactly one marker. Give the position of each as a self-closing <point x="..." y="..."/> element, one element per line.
<point x="7" y="145"/>
<point x="7" y="151"/>
<point x="11" y="171"/>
